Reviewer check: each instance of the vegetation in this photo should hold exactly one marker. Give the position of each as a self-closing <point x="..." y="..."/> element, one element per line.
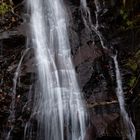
<point x="132" y="81"/>
<point x="133" y="64"/>
<point x="4" y="8"/>
<point x="127" y="23"/>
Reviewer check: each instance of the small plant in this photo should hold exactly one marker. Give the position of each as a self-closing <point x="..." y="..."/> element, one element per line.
<point x="127" y="23"/>
<point x="132" y="64"/>
<point x="4" y="8"/>
<point x="132" y="81"/>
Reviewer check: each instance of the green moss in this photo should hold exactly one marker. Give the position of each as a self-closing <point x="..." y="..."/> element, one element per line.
<point x="4" y="8"/>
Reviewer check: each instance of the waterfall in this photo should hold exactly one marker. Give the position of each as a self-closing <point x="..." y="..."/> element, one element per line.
<point x="128" y="124"/>
<point x="58" y="106"/>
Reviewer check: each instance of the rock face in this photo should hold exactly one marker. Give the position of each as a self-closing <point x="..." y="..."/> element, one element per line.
<point x="94" y="66"/>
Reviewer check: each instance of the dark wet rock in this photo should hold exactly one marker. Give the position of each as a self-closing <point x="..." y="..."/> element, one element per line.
<point x="94" y="67"/>
<point x="17" y="1"/>
<point x="109" y="138"/>
<point x="91" y="133"/>
<point x="103" y="119"/>
<point x="12" y="49"/>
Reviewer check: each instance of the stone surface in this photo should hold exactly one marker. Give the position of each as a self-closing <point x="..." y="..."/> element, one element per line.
<point x="93" y="65"/>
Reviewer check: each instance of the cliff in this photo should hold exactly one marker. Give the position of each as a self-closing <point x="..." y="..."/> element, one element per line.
<point x="120" y="25"/>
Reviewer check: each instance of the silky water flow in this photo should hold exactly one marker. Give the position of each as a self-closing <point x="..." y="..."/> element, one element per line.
<point x="58" y="106"/>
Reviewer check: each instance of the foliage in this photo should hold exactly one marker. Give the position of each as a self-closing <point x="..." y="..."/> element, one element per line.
<point x="4" y="8"/>
<point x="132" y="81"/>
<point x="137" y="55"/>
<point x="132" y="64"/>
<point x="127" y="23"/>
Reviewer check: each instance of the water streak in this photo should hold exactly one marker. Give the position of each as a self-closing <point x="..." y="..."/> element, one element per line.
<point x="129" y="126"/>
<point x="130" y="129"/>
<point x="11" y="118"/>
<point x="58" y="105"/>
<point x="88" y="21"/>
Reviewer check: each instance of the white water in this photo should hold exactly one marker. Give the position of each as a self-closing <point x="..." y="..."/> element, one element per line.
<point x="128" y="124"/>
<point x="58" y="105"/>
<point x="88" y="21"/>
<point x="15" y="84"/>
<point x="11" y="118"/>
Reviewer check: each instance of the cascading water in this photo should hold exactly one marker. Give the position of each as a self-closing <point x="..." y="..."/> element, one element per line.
<point x="58" y="106"/>
<point x="88" y="21"/>
<point x="11" y="118"/>
<point x="15" y="84"/>
<point x="128" y="124"/>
